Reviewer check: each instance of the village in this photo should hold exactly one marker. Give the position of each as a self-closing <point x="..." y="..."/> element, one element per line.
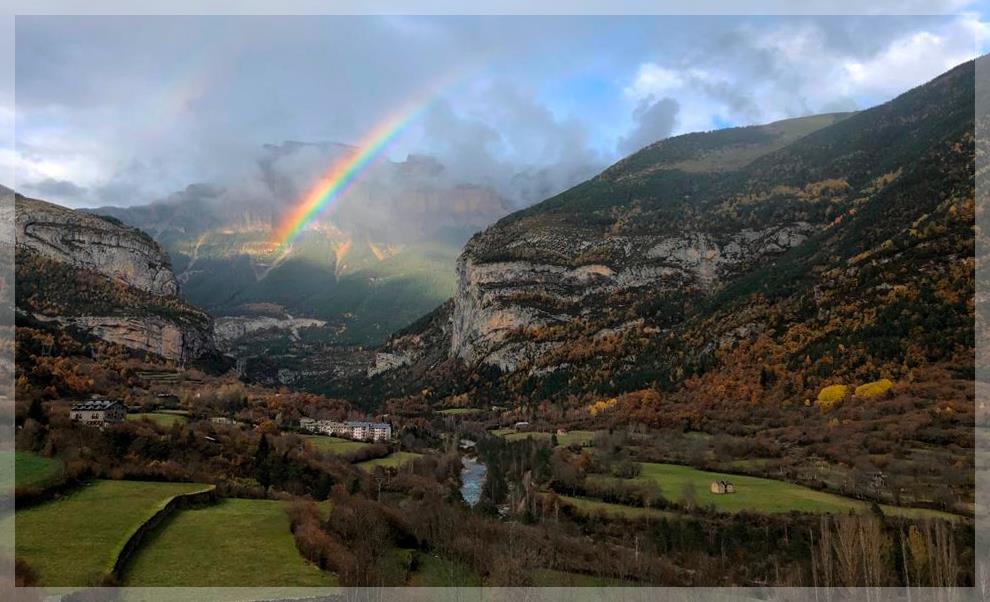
<point x="101" y="413"/>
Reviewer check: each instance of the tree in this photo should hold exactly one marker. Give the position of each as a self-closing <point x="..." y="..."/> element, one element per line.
<point x="36" y="412"/>
<point x="262" y="468"/>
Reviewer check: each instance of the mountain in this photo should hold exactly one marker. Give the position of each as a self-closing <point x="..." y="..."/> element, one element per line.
<point x="110" y="280"/>
<point x="720" y="270"/>
<point x="374" y="261"/>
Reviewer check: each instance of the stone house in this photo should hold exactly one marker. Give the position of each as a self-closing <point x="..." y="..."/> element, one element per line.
<point x="98" y="412"/>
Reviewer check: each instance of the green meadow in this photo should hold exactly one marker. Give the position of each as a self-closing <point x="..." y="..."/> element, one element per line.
<point x="440" y="572"/>
<point x="755" y="494"/>
<point x="568" y="438"/>
<point x="74" y="541"/>
<point x="459" y="411"/>
<point x="334" y="445"/>
<point x="592" y="506"/>
<point x="236" y="542"/>
<point x="32" y="469"/>
<point x="393" y="460"/>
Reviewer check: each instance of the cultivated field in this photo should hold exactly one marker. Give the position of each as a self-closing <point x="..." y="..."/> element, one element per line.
<point x="393" y="460"/>
<point x="74" y="541"/>
<point x="235" y="542"/>
<point x="334" y="445"/>
<point x="755" y="494"/>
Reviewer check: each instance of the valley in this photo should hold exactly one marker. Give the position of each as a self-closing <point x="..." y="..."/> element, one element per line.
<point x="762" y="334"/>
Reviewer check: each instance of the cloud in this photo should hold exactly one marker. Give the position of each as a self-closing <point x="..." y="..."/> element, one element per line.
<point x="509" y="141"/>
<point x="923" y="55"/>
<point x="652" y="79"/>
<point x="654" y="121"/>
<point x="761" y="70"/>
<point x="50" y="187"/>
<point x="131" y="109"/>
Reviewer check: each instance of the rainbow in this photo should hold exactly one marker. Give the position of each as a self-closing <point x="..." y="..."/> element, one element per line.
<point x="345" y="171"/>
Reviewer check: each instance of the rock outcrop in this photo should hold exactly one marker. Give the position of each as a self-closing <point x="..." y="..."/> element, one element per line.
<point x="148" y="333"/>
<point x="94" y="243"/>
<point x="229" y="329"/>
<point x="100" y="276"/>
<point x="497" y="299"/>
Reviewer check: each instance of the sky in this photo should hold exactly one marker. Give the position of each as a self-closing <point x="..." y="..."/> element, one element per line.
<point x="128" y="110"/>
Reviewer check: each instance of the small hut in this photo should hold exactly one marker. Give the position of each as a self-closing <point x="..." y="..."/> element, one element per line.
<point x="722" y="487"/>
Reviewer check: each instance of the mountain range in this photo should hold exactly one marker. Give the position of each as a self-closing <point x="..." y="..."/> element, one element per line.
<point x="720" y="270"/>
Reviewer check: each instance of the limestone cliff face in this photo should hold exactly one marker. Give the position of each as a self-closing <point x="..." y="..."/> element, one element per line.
<point x="110" y="280"/>
<point x="230" y="328"/>
<point x="570" y="278"/>
<point x="94" y="243"/>
<point x="149" y="333"/>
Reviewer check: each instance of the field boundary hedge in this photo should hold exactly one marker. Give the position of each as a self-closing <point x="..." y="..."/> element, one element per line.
<point x="134" y="540"/>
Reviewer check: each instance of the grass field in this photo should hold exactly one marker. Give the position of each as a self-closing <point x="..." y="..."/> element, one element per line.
<point x="236" y="542"/>
<point x="568" y="438"/>
<point x="458" y="411"/>
<point x="592" y="506"/>
<point x="74" y="541"/>
<point x="32" y="469"/>
<point x="440" y="572"/>
<point x="162" y="418"/>
<point x="334" y="445"/>
<point x="756" y="494"/>
<point x="393" y="460"/>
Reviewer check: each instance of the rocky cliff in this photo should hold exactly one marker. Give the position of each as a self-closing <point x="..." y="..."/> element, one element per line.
<point x="94" y="243"/>
<point x="499" y="299"/>
<point x="110" y="280"/>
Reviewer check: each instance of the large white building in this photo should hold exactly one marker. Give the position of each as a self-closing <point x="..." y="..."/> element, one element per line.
<point x="362" y="431"/>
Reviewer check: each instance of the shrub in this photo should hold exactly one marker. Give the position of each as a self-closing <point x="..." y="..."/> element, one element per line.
<point x="874" y="389"/>
<point x="829" y="396"/>
<point x="602" y="405"/>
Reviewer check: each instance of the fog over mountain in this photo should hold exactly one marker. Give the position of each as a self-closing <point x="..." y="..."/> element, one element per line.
<point x="392" y="202"/>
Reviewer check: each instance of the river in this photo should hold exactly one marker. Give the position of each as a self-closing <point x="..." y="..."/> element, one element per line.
<point x="472" y="479"/>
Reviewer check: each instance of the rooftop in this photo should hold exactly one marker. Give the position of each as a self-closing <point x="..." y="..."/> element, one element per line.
<point x="372" y="425"/>
<point x="95" y="404"/>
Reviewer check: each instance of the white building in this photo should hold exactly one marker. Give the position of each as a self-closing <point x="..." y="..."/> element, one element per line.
<point x="370" y="431"/>
<point x="362" y="431"/>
